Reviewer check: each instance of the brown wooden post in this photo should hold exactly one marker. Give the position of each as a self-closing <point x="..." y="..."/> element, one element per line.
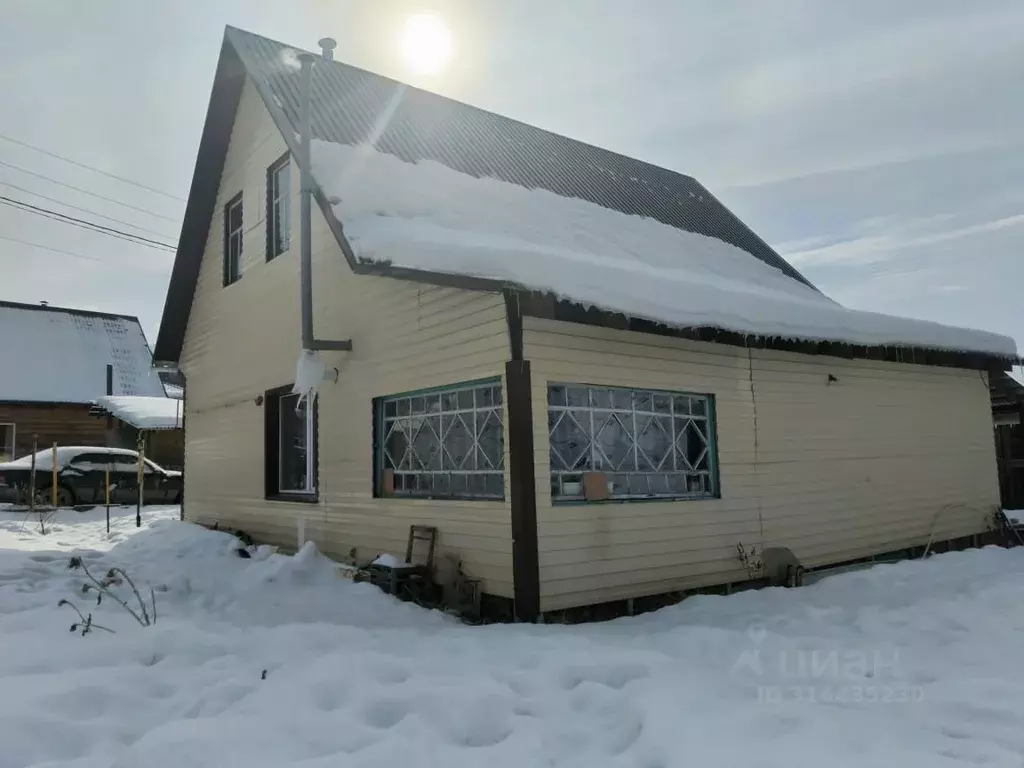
<point x="32" y="476"/>
<point x="53" y="474"/>
<point x="110" y="391"/>
<point x="106" y="491"/>
<point x="140" y="444"/>
<point x="522" y="493"/>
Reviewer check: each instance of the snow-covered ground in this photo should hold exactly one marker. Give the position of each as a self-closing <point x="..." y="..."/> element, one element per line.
<point x="913" y="664"/>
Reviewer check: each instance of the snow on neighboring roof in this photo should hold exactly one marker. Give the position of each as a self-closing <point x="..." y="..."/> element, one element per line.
<point x="144" y="412"/>
<point x="57" y="355"/>
<point x="173" y="390"/>
<point x="427" y="216"/>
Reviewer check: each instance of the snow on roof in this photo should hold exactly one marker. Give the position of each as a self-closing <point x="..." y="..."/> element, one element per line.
<point x="144" y="412"/>
<point x="174" y="390"/>
<point x="427" y="216"/>
<point x="51" y="354"/>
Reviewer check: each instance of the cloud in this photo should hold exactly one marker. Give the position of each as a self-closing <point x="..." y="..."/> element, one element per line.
<point x="874" y="248"/>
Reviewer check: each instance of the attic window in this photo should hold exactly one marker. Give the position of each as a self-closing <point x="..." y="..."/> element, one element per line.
<point x="233" y="240"/>
<point x="279" y="189"/>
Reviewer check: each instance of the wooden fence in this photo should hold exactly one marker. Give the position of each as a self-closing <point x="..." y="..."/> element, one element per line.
<point x="1010" y="458"/>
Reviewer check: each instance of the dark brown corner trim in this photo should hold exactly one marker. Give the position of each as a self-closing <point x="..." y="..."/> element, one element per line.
<point x="522" y="492"/>
<point x="514" y="318"/>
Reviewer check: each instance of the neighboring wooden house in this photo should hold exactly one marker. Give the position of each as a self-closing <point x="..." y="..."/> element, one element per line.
<point x="1008" y="417"/>
<point x="53" y="365"/>
<point x="1007" y="399"/>
<point x="583" y="370"/>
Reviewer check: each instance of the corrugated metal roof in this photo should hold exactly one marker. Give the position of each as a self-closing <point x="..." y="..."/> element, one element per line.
<point x="60" y="355"/>
<point x="352" y="106"/>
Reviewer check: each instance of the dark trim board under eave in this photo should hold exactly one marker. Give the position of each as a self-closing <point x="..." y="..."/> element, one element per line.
<point x="546" y="306"/>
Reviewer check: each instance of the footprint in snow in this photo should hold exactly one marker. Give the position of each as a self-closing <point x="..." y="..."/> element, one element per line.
<point x="612" y="675"/>
<point x="385" y="713"/>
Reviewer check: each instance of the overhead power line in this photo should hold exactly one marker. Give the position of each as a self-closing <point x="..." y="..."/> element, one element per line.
<point x="89" y="167"/>
<point x="49" y="248"/>
<point x="83" y="224"/>
<point x="60" y="251"/>
<point x="86" y="191"/>
<point x="83" y="210"/>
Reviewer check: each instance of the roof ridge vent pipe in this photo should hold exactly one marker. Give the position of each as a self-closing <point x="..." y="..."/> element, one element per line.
<point x="309" y="341"/>
<point x="327" y="46"/>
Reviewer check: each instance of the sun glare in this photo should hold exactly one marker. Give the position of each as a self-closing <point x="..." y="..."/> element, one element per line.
<point x="426" y="43"/>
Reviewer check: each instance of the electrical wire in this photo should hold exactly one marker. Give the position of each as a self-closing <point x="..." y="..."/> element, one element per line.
<point x="85" y="191"/>
<point x="50" y="248"/>
<point x="86" y="225"/>
<point x="83" y="210"/>
<point x="69" y="253"/>
<point x="89" y="167"/>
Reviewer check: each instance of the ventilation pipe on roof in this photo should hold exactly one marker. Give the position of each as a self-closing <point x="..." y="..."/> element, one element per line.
<point x="309" y="341"/>
<point x="327" y="46"/>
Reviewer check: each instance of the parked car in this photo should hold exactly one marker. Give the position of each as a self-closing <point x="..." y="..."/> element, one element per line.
<point x="81" y="474"/>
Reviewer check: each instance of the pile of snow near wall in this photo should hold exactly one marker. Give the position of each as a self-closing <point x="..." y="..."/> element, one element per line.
<point x="427" y="216"/>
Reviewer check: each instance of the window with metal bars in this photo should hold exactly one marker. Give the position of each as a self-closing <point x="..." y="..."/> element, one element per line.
<point x="644" y="443"/>
<point x="443" y="443"/>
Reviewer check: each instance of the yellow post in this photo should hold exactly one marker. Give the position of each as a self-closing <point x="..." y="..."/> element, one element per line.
<point x="106" y="490"/>
<point x="53" y="488"/>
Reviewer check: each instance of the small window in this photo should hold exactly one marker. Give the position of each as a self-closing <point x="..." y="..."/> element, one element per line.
<point x="7" y="442"/>
<point x="442" y="443"/>
<point x="634" y="443"/>
<point x="291" y="466"/>
<point x="233" y="240"/>
<point x="279" y="188"/>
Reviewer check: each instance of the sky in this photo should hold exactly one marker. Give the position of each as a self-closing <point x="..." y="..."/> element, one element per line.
<point x="878" y="145"/>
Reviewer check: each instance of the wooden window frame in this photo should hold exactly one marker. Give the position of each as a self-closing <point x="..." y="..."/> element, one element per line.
<point x="385" y="478"/>
<point x="272" y="449"/>
<point x="275" y="198"/>
<point x="596" y="481"/>
<point x="229" y="235"/>
<point x="14" y="439"/>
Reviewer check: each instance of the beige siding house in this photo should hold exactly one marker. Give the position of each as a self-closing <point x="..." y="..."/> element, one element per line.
<point x="568" y="451"/>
